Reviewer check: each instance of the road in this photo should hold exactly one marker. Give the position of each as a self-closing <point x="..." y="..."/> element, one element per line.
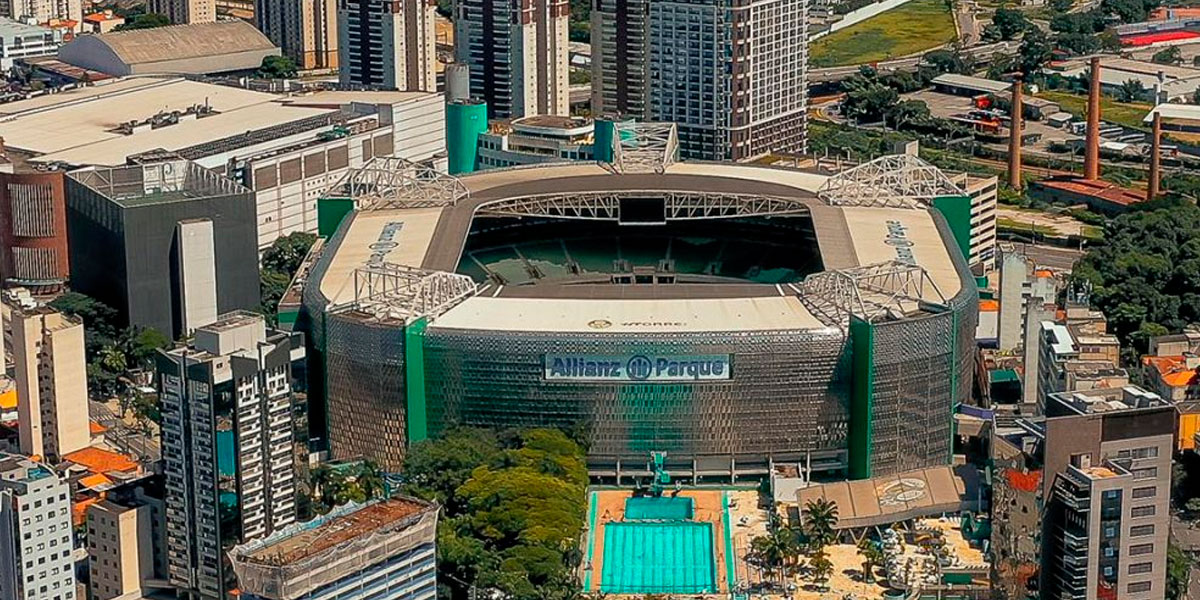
<point x="909" y="63"/>
<point x="1052" y="257"/>
<point x="967" y="24"/>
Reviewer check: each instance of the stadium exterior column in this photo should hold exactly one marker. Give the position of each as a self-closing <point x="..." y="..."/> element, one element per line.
<point x="862" y="397"/>
<point x="416" y="416"/>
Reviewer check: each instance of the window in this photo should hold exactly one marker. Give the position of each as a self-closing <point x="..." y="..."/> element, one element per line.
<point x="1141" y="549"/>
<point x="1147" y="473"/>
<point x="1141" y="530"/>
<point x="1139" y="568"/>
<point x="1142" y="511"/>
<point x="1141" y="586"/>
<point x="1145" y="492"/>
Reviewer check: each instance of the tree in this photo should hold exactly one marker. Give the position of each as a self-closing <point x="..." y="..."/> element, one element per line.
<point x="1192" y="506"/>
<point x="287" y="253"/>
<point x="872" y="556"/>
<point x="820" y="521"/>
<point x="1034" y="52"/>
<point x="820" y="566"/>
<point x="946" y="61"/>
<point x="1131" y="90"/>
<point x="1178" y="566"/>
<point x="1061" y="6"/>
<point x="1007" y="24"/>
<point x="1170" y="55"/>
<point x="907" y="113"/>
<point x="276" y="67"/>
<point x="867" y="100"/>
<point x="145" y="21"/>
<point x="370" y="479"/>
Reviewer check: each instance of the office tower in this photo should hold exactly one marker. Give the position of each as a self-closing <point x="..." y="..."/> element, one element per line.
<point x="42" y="11"/>
<point x="1080" y="504"/>
<point x="51" y="374"/>
<point x="226" y="401"/>
<point x="517" y="53"/>
<point x="126" y="540"/>
<point x="387" y="45"/>
<point x="732" y="74"/>
<point x="127" y="250"/>
<point x="33" y="230"/>
<point x="306" y="30"/>
<point x="35" y="532"/>
<point x="185" y="12"/>
<point x="384" y="550"/>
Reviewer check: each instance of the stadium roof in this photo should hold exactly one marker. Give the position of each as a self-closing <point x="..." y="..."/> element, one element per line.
<point x="911" y="495"/>
<point x="432" y="239"/>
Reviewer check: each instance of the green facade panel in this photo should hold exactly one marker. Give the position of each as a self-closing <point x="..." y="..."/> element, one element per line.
<point x="862" y="393"/>
<point x="957" y="212"/>
<point x="602" y="147"/>
<point x="330" y="213"/>
<point x="414" y="381"/>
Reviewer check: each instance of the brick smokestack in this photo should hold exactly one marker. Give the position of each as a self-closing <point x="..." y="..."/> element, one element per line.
<point x="1014" y="136"/>
<point x="1091" y="157"/>
<point x="1155" y="152"/>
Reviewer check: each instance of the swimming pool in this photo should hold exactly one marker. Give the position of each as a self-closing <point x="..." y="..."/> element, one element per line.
<point x="658" y="558"/>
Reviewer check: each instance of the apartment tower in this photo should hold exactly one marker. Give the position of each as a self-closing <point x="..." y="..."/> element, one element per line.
<point x="732" y="74"/>
<point x="227" y="441"/>
<point x="517" y="54"/>
<point x="51" y="374"/>
<point x="35" y="532"/>
<point x="387" y="44"/>
<point x="42" y="11"/>
<point x="185" y="12"/>
<point x="306" y="30"/>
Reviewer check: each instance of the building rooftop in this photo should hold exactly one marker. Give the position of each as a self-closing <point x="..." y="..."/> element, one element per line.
<point x="1173" y="371"/>
<point x="1105" y="400"/>
<point x="324" y="533"/>
<point x="159" y="183"/>
<point x="101" y="461"/>
<point x="181" y="42"/>
<point x="13" y="29"/>
<point x="974" y="83"/>
<point x="1103" y="190"/>
<point x="1060" y="338"/>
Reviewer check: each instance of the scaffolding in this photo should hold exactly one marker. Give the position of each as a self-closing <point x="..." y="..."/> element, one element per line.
<point x="392" y="182"/>
<point x="893" y="181"/>
<point x="401" y="293"/>
<point x="284" y="566"/>
<point x="881" y="291"/>
<point x="606" y="206"/>
<point x="644" y="147"/>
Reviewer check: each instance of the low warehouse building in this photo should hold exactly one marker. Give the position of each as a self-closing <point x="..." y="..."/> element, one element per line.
<point x="197" y="49"/>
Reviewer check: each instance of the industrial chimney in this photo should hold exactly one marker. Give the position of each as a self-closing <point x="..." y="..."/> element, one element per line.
<point x="1014" y="136"/>
<point x="1091" y="156"/>
<point x="1155" y="157"/>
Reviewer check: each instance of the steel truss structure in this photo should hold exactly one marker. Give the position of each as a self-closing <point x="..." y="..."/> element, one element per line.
<point x="606" y="206"/>
<point x="893" y="181"/>
<point x="886" y="290"/>
<point x="392" y="182"/>
<point x="399" y="292"/>
<point x="644" y="147"/>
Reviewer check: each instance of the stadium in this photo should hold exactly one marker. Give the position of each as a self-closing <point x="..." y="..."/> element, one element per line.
<point x="732" y="316"/>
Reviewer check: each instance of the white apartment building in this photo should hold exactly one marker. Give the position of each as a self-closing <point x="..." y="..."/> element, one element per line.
<point x="19" y="40"/>
<point x="185" y="12"/>
<point x="35" y="532"/>
<point x="227" y="443"/>
<point x="41" y="11"/>
<point x="387" y="45"/>
<point x="51" y="377"/>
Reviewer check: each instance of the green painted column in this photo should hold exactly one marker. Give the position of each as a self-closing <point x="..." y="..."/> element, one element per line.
<point x="465" y="120"/>
<point x="957" y="212"/>
<point x="416" y="419"/>
<point x="862" y="397"/>
<point x="602" y="144"/>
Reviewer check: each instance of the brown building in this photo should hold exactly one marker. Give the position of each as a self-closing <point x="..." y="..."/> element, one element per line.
<point x="33" y="230"/>
<point x="306" y="30"/>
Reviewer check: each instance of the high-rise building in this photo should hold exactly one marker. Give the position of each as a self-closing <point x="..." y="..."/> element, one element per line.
<point x="732" y="74"/>
<point x="185" y="12"/>
<point x="384" y="550"/>
<point x="1081" y="498"/>
<point x="126" y="540"/>
<point x="387" y="45"/>
<point x="227" y="439"/>
<point x="517" y="53"/>
<point x="42" y="11"/>
<point x="35" y="532"/>
<point x="306" y="30"/>
<point x="138" y="242"/>
<point x="51" y="374"/>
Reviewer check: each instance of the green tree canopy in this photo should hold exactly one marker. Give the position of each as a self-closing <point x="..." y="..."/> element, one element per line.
<point x="277" y="67"/>
<point x="1007" y="23"/>
<point x="144" y="21"/>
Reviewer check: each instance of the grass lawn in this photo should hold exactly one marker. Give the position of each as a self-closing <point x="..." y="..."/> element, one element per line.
<point x="1121" y="113"/>
<point x="1020" y="226"/>
<point x="913" y="27"/>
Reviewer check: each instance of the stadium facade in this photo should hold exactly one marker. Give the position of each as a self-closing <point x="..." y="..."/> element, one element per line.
<point x="439" y="301"/>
